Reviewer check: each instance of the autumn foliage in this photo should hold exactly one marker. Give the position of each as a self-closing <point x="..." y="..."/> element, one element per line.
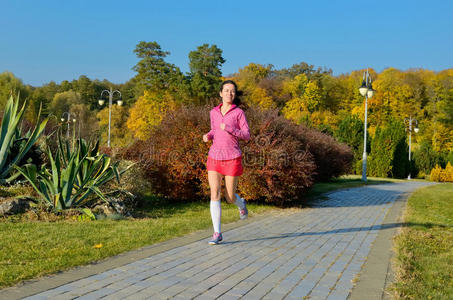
<point x="442" y="175"/>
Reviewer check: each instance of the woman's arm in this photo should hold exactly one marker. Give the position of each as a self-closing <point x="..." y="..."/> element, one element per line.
<point x="243" y="132"/>
<point x="210" y="134"/>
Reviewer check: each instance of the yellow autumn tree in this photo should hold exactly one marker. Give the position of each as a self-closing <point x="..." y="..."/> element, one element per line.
<point x="295" y="87"/>
<point x="312" y="96"/>
<point x="324" y="119"/>
<point x="250" y="76"/>
<point x="442" y="138"/>
<point x="148" y="112"/>
<point x="120" y="136"/>
<point x="295" y="109"/>
<point x="306" y="97"/>
<point x="259" y="98"/>
<point x="248" y="80"/>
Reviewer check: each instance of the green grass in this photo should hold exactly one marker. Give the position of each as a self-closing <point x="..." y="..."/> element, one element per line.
<point x="424" y="257"/>
<point x="32" y="249"/>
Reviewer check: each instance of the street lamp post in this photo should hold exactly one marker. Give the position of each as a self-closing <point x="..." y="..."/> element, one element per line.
<point x="101" y="102"/>
<point x="410" y="120"/>
<point x="69" y="121"/>
<point x="367" y="91"/>
<point x="76" y="119"/>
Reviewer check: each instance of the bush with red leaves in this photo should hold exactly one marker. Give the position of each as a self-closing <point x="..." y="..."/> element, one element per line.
<point x="174" y="158"/>
<point x="278" y="167"/>
<point x="332" y="158"/>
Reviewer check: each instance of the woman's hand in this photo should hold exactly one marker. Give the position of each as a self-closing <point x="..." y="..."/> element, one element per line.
<point x="205" y="138"/>
<point x="222" y="126"/>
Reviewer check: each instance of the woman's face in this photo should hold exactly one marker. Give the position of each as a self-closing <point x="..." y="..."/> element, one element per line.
<point x="228" y="93"/>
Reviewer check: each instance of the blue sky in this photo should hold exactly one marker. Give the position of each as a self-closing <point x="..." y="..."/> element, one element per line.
<point x="60" y="40"/>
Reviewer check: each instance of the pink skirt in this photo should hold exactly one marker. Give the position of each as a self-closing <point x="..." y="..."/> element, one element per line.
<point x="230" y="167"/>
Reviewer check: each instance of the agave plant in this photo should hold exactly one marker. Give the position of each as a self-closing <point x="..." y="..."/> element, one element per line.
<point x="10" y="135"/>
<point x="77" y="172"/>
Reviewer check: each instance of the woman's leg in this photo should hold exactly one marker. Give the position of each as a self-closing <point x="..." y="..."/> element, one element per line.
<point x="231" y="183"/>
<point x="215" y="179"/>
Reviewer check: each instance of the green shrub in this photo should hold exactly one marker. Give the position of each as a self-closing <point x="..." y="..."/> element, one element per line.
<point x="350" y="132"/>
<point x="426" y="158"/>
<point x="389" y="152"/>
<point x="450" y="157"/>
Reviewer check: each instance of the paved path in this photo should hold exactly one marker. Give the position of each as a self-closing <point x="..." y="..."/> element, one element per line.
<point x="316" y="252"/>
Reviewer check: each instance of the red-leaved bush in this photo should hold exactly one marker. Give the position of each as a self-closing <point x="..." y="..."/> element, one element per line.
<point x="279" y="160"/>
<point x="278" y="167"/>
<point x="332" y="158"/>
<point x="174" y="157"/>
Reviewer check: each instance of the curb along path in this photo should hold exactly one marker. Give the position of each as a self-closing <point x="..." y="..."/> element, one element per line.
<point x="316" y="252"/>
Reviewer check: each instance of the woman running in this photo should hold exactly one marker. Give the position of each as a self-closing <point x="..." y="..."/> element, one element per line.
<point x="228" y="125"/>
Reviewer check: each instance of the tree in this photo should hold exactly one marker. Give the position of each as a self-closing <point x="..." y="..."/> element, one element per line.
<point x="442" y="138"/>
<point x="258" y="97"/>
<point x="312" y="96"/>
<point x="295" y="108"/>
<point x="306" y="96"/>
<point x="332" y="93"/>
<point x="148" y="112"/>
<point x="86" y="122"/>
<point x="304" y="68"/>
<point x="389" y="152"/>
<point x="205" y="74"/>
<point x="62" y="102"/>
<point x="251" y="75"/>
<point x="154" y="73"/>
<point x="11" y="85"/>
<point x="119" y="135"/>
<point x="90" y="90"/>
<point x="350" y="132"/>
<point x="426" y="158"/>
<point x="37" y="99"/>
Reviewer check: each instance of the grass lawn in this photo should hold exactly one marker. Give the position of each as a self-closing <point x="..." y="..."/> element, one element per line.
<point x="425" y="247"/>
<point x="29" y="249"/>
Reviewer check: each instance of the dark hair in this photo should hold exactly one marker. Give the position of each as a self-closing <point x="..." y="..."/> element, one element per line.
<point x="236" y="100"/>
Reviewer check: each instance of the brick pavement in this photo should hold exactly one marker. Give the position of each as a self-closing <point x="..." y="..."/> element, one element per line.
<point x="316" y="253"/>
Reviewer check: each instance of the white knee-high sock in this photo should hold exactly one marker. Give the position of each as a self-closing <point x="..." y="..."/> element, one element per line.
<point x="239" y="202"/>
<point x="216" y="214"/>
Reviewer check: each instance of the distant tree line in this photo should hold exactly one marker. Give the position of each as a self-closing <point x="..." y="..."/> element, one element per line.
<point x="302" y="93"/>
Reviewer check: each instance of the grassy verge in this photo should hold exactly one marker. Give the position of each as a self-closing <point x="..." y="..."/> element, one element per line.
<point x="424" y="257"/>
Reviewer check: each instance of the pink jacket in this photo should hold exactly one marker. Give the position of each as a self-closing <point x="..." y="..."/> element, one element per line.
<point x="226" y="142"/>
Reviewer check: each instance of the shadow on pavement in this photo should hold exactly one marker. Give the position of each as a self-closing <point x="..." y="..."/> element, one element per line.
<point x="342" y="230"/>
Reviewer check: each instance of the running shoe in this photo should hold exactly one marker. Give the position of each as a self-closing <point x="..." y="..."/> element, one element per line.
<point x="216" y="238"/>
<point x="243" y="213"/>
